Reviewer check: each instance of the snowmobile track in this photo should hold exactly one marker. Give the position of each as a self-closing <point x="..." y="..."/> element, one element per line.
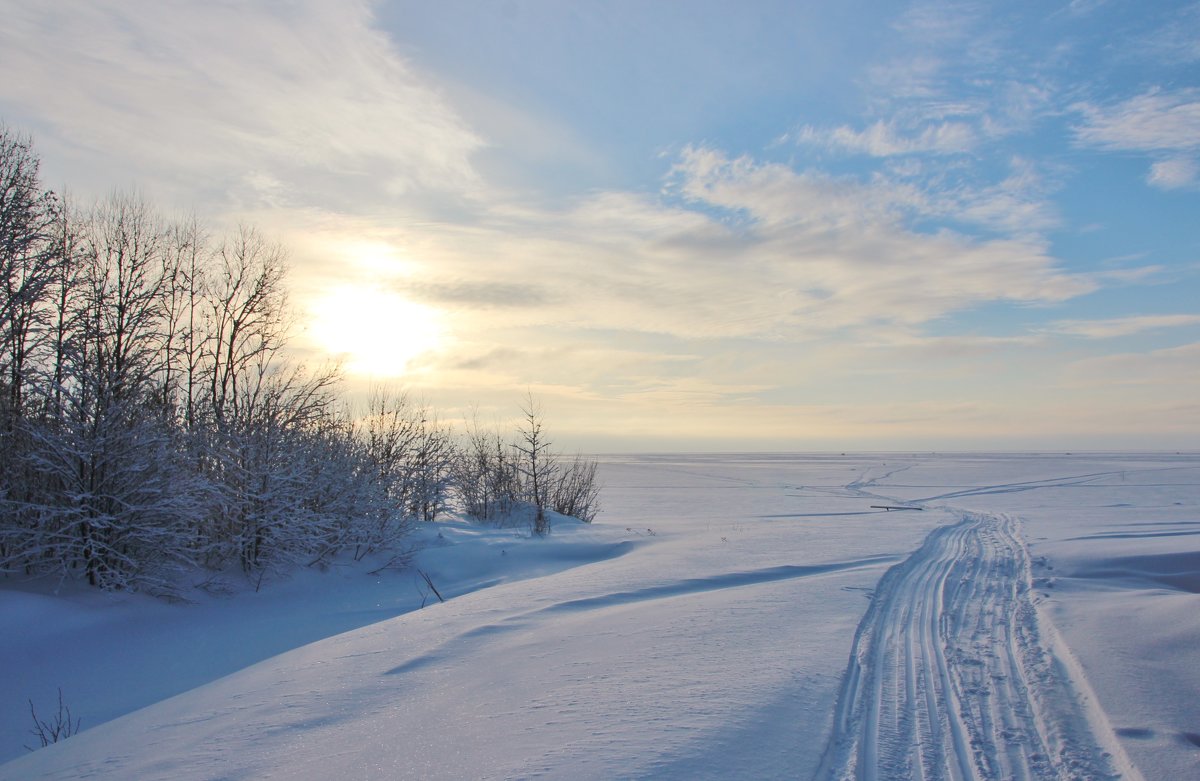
<point x="950" y="678"/>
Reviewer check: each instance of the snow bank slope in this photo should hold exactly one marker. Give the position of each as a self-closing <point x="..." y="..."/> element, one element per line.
<point x="111" y="654"/>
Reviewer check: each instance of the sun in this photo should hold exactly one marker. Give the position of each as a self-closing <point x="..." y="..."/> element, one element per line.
<point x="375" y="333"/>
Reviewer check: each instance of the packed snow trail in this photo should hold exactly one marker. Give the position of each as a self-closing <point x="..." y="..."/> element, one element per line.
<point x="949" y="677"/>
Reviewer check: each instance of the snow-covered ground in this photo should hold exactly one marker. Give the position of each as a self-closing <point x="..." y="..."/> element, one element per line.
<point x="726" y="616"/>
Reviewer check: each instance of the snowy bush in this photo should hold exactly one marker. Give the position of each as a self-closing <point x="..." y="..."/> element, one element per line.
<point x="485" y="475"/>
<point x="576" y="492"/>
<point x="495" y="480"/>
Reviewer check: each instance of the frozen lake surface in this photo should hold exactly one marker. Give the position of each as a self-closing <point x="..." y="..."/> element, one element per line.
<point x="755" y="616"/>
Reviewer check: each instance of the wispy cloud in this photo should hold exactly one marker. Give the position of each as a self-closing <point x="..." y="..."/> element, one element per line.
<point x="1018" y="205"/>
<point x="1084" y="7"/>
<point x="883" y="139"/>
<point x="1178" y="39"/>
<point x="737" y="249"/>
<point x="1156" y="122"/>
<point x="1174" y="173"/>
<point x="956" y="346"/>
<point x="1122" y="326"/>
<point x="270" y="102"/>
<point x="948" y="89"/>
<point x="691" y="390"/>
<point x="938" y="23"/>
<point x="914" y="77"/>
<point x="1153" y="121"/>
<point x="1173" y="368"/>
<point x="1015" y="105"/>
<point x="955" y="64"/>
<point x="737" y="255"/>
<point x="474" y="294"/>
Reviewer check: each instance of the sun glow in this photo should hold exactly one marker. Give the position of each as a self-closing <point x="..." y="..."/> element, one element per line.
<point x="374" y="332"/>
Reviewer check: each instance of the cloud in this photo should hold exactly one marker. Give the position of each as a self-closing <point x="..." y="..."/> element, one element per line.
<point x="694" y="391"/>
<point x="734" y="249"/>
<point x="1177" y="39"/>
<point x="1018" y="205"/>
<point x="951" y="78"/>
<point x="1174" y="173"/>
<point x="278" y="103"/>
<point x="932" y="23"/>
<point x="1162" y="123"/>
<point x="774" y="195"/>
<point x="1014" y="106"/>
<point x="1122" y="326"/>
<point x="1084" y="7"/>
<point x="736" y="257"/>
<point x="918" y="77"/>
<point x="1173" y="368"/>
<point x="1138" y="275"/>
<point x="955" y="346"/>
<point x="1152" y="122"/>
<point x="474" y="294"/>
<point x="882" y="139"/>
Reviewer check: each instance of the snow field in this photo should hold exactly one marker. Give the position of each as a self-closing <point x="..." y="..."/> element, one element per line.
<point x="702" y="628"/>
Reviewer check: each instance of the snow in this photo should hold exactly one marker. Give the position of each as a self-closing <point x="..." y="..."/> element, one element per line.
<point x="725" y="616"/>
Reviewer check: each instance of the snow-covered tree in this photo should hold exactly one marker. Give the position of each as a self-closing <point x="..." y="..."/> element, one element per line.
<point x="27" y="269"/>
<point x="151" y="422"/>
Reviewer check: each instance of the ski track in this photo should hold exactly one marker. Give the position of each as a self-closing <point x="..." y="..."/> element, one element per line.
<point x="950" y="678"/>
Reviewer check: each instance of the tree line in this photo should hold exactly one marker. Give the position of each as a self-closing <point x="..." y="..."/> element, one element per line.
<point x="152" y="423"/>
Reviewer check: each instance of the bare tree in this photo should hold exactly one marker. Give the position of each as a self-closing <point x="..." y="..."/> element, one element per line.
<point x="390" y="434"/>
<point x="71" y="253"/>
<point x="484" y="475"/>
<point x="412" y="454"/>
<point x="27" y="216"/>
<point x="184" y="288"/>
<point x="248" y="308"/>
<point x="537" y="465"/>
<point x="27" y="267"/>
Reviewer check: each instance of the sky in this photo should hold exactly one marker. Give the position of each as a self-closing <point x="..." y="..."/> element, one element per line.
<point x="681" y="225"/>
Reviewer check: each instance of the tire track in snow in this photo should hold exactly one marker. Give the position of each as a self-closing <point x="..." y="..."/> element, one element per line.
<point x="949" y="678"/>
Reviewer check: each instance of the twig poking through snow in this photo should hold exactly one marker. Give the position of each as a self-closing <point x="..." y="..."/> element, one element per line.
<point x="429" y="582"/>
<point x="61" y="728"/>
